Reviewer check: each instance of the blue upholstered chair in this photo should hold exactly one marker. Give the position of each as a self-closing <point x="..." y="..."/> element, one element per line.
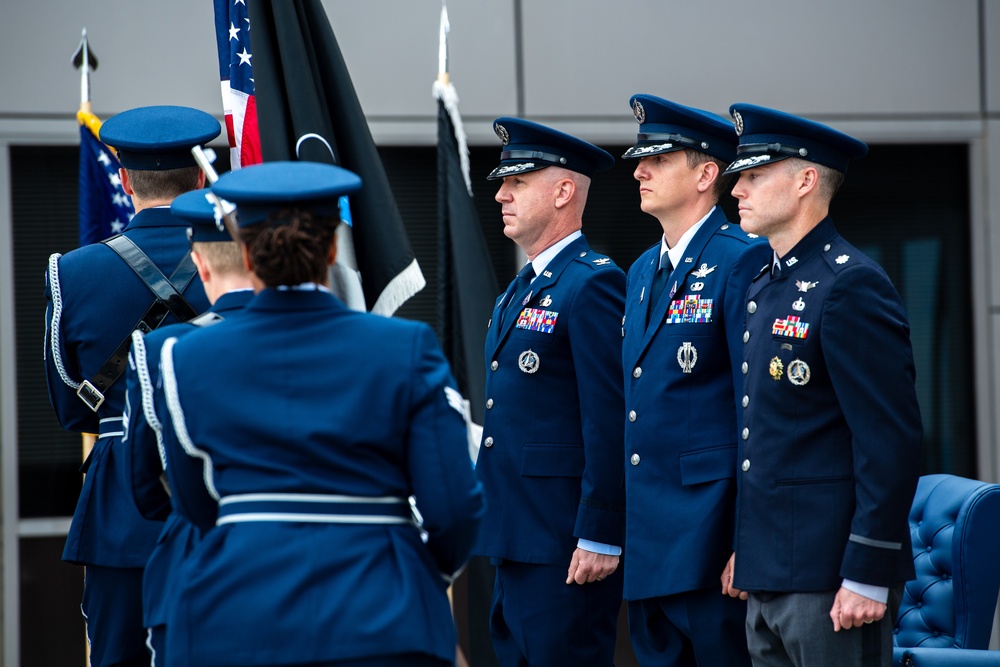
<point x="946" y="615"/>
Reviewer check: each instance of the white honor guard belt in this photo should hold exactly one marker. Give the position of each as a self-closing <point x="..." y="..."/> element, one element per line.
<point x="112" y="427"/>
<point x="314" y="508"/>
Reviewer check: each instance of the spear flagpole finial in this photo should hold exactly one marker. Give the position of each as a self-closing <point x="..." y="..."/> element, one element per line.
<point x="85" y="61"/>
<point x="443" y="45"/>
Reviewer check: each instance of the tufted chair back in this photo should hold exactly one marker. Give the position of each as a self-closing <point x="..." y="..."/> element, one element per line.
<point x="955" y="528"/>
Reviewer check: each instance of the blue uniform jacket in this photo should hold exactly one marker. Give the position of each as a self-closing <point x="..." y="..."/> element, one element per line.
<point x="290" y="405"/>
<point x="682" y="373"/>
<point x="143" y="443"/>
<point x="95" y="300"/>
<point x="550" y="459"/>
<point x="831" y="427"/>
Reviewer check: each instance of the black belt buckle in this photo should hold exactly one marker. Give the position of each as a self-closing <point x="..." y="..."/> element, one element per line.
<point x="90" y="395"/>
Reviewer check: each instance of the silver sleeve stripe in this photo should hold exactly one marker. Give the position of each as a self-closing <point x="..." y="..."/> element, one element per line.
<point x="146" y="390"/>
<point x="878" y="544"/>
<point x="177" y="415"/>
<point x="57" y="306"/>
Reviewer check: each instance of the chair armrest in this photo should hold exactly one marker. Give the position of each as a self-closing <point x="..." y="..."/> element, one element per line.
<point x="943" y="657"/>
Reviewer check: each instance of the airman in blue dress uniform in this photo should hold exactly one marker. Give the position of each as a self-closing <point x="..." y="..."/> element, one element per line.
<point x="830" y="442"/>
<point x="314" y="424"/>
<point x="681" y="378"/>
<point x="550" y="459"/>
<point x="97" y="296"/>
<point x="227" y="285"/>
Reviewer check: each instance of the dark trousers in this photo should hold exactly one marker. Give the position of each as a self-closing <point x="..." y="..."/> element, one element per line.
<point x="795" y="630"/>
<point x="539" y="620"/>
<point x="702" y="628"/>
<point x="112" y="605"/>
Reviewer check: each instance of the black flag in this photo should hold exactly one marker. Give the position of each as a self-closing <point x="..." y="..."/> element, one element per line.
<point x="468" y="286"/>
<point x="307" y="109"/>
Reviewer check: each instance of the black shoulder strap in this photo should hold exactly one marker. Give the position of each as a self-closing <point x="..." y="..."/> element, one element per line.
<point x="168" y="300"/>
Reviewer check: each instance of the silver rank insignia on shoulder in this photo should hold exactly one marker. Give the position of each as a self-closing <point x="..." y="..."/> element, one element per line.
<point x="753" y="236"/>
<point x="687" y="356"/>
<point x="697" y="287"/>
<point x="805" y="285"/>
<point x="703" y="271"/>
<point x="528" y="362"/>
<point x="843" y="259"/>
<point x="798" y="372"/>
<point x="601" y="261"/>
<point x="799" y="304"/>
<point x="546" y="301"/>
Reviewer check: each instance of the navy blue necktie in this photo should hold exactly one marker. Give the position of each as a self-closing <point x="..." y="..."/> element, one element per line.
<point x="524" y="278"/>
<point x="660" y="279"/>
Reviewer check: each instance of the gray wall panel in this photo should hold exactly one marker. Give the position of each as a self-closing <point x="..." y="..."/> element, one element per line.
<point x="149" y="52"/>
<point x="585" y="57"/>
<point x="391" y="49"/>
<point x="991" y="32"/>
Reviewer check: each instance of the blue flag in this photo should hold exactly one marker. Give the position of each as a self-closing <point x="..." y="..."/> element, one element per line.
<point x="104" y="207"/>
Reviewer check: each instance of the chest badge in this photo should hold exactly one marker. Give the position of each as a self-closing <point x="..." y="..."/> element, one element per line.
<point x="697" y="287"/>
<point x="687" y="357"/>
<point x="799" y="305"/>
<point x="805" y="285"/>
<point x="528" y="362"/>
<point x="776" y="369"/>
<point x="798" y="372"/>
<point x="703" y="270"/>
<point x="546" y="301"/>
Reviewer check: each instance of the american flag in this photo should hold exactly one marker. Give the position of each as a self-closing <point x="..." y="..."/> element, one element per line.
<point x="104" y="208"/>
<point x="232" y="33"/>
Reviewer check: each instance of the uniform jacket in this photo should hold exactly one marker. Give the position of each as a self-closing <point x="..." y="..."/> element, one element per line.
<point x="681" y="377"/>
<point x="552" y="436"/>
<point x="303" y="400"/>
<point x="831" y="430"/>
<point x="94" y="301"/>
<point x="143" y="443"/>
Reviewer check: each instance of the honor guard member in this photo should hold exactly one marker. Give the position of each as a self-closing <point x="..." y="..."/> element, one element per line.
<point x="97" y="296"/>
<point x="682" y="350"/>
<point x="830" y="441"/>
<point x="315" y="424"/>
<point x="552" y="435"/>
<point x="228" y="288"/>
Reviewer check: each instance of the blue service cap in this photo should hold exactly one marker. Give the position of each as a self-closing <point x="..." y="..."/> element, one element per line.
<point x="261" y="189"/>
<point x="158" y="138"/>
<point x="197" y="208"/>
<point x="767" y="135"/>
<point x="528" y="146"/>
<point x="665" y="127"/>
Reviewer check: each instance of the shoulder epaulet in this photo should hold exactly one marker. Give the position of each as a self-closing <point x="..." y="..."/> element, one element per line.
<point x="595" y="259"/>
<point x="840" y="255"/>
<point x="733" y="230"/>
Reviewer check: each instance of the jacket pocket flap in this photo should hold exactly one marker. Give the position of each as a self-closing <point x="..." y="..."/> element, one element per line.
<point x="708" y="465"/>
